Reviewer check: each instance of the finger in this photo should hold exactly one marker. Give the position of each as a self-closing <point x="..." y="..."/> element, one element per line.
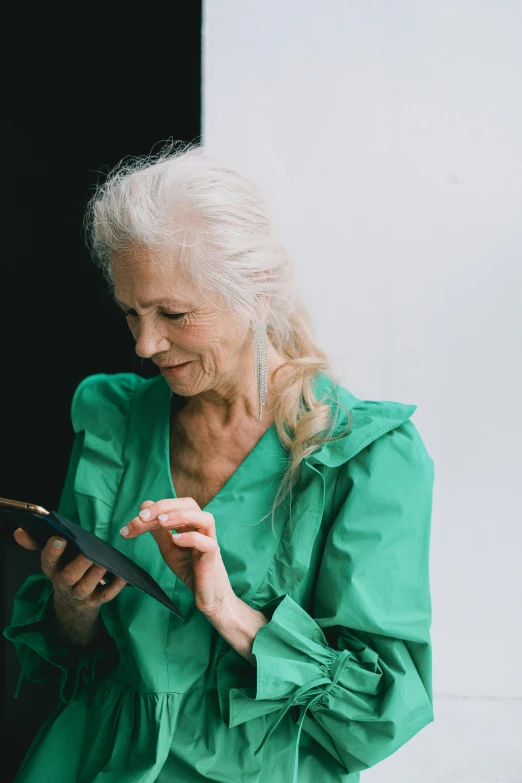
<point x="51" y="554"/>
<point x="203" y="521"/>
<point x="196" y="541"/>
<point x="152" y="510"/>
<point x="85" y="586"/>
<point x="133" y="528"/>
<point x="137" y="526"/>
<point x="112" y="590"/>
<point x="24" y="539"/>
<point x="72" y="572"/>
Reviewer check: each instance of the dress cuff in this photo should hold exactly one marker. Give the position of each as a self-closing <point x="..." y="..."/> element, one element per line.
<point x="293" y="665"/>
<point x="43" y="656"/>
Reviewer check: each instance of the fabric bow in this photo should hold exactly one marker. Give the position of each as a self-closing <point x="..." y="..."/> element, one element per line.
<point x="335" y="673"/>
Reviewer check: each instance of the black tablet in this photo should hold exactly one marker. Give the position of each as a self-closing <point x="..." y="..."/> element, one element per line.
<point x="40" y="524"/>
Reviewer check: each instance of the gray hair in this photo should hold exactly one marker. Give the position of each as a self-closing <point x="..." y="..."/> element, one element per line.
<point x="186" y="199"/>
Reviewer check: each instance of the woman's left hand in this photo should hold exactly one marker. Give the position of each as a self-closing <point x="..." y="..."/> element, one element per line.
<point x="193" y="555"/>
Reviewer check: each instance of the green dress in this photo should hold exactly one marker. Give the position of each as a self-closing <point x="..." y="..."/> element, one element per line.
<point x="343" y="667"/>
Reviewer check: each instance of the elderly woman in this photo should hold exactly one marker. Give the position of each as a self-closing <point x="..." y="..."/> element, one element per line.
<point x="288" y="519"/>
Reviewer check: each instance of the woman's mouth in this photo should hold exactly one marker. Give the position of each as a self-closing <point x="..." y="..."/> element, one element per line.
<point x="175" y="369"/>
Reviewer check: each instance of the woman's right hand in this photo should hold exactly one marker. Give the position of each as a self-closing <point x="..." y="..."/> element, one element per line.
<point x="78" y="594"/>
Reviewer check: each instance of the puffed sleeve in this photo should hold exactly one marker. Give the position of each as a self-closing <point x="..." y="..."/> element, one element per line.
<point x="41" y="653"/>
<point x="359" y="664"/>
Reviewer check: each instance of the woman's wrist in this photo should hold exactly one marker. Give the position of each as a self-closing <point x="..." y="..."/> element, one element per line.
<point x="74" y="626"/>
<point x="238" y="624"/>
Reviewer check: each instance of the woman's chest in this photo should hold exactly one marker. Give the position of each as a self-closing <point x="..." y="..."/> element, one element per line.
<point x="203" y="472"/>
<point x="201" y="488"/>
<point x="203" y="479"/>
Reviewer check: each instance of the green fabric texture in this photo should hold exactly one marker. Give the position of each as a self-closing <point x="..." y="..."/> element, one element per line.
<point x="343" y="666"/>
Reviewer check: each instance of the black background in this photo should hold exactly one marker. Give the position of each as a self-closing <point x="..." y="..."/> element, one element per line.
<point x="84" y="91"/>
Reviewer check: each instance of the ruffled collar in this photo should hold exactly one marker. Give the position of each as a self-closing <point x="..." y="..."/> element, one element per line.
<point x="370" y="420"/>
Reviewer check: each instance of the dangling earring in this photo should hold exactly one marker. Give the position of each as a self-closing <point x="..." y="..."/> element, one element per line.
<point x="260" y="362"/>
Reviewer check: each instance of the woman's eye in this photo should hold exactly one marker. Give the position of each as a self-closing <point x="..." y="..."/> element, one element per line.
<point x="170" y="316"/>
<point x="174" y="316"/>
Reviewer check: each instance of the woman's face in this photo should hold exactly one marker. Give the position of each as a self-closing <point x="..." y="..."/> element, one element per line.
<point x="172" y="323"/>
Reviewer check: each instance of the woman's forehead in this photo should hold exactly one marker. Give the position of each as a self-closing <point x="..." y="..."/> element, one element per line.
<point x="164" y="302"/>
<point x="151" y="293"/>
<point x="152" y="281"/>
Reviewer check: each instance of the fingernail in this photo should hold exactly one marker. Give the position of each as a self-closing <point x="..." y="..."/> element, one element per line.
<point x="163" y="517"/>
<point x="57" y="544"/>
<point x="145" y="513"/>
<point x="125" y="531"/>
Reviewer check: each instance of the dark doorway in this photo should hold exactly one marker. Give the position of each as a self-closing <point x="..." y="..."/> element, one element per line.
<point x="85" y="92"/>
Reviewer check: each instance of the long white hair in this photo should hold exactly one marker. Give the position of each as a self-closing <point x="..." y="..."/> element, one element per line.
<point x="186" y="199"/>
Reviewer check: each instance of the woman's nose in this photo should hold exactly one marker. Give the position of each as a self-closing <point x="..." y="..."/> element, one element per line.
<point x="149" y="341"/>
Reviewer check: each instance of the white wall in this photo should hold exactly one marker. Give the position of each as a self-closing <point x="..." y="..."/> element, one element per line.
<point x="387" y="137"/>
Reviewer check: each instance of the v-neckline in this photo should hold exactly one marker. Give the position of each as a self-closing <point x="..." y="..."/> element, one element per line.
<point x="240" y="468"/>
